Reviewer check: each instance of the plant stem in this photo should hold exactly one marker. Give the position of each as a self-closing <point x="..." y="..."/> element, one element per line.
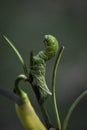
<point x="54" y="84"/>
<point x="73" y="106"/>
<point x="19" y="78"/>
<point x="18" y="54"/>
<point x="45" y="116"/>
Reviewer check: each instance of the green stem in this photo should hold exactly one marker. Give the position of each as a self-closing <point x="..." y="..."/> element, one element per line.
<point x="17" y="88"/>
<point x="73" y="106"/>
<point x="54" y="84"/>
<point x="45" y="116"/>
<point x="18" y="54"/>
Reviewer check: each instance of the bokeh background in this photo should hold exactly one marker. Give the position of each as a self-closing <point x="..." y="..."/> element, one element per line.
<point x="25" y="22"/>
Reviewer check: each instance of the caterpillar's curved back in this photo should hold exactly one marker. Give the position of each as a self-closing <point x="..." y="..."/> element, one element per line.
<point x="51" y="47"/>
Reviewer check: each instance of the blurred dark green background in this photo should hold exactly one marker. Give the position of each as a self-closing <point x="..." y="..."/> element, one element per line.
<point x="25" y="22"/>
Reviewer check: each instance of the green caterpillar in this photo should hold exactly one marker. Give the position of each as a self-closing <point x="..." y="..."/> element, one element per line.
<point x="38" y="68"/>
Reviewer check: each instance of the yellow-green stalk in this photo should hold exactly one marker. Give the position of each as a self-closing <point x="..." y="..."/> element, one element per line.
<point x="26" y="112"/>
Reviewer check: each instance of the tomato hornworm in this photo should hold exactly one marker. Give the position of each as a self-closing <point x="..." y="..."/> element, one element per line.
<point x="38" y="68"/>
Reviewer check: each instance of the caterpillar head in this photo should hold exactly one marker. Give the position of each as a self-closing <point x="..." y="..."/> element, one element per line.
<point x="51" y="46"/>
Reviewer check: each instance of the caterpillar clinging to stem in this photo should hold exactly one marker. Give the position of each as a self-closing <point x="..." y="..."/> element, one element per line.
<point x="38" y="68"/>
